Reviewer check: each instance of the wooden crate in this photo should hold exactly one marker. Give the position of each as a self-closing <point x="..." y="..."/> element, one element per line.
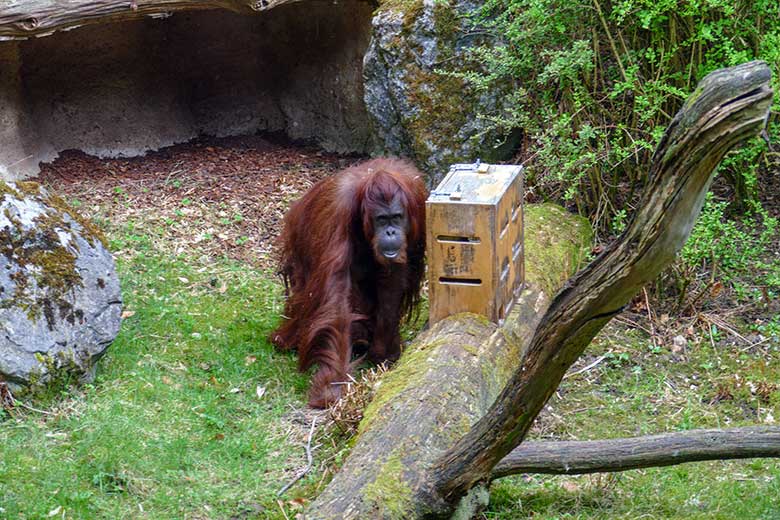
<point x="475" y="241"/>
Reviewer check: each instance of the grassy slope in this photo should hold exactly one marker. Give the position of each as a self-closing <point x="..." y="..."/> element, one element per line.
<point x="172" y="427"/>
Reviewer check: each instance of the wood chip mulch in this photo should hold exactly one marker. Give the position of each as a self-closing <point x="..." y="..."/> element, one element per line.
<point x="211" y="197"/>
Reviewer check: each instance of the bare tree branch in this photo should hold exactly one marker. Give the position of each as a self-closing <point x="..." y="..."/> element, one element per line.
<point x="667" y="449"/>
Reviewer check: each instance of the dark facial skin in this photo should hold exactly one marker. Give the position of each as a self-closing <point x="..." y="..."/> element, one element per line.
<point x="390" y="227"/>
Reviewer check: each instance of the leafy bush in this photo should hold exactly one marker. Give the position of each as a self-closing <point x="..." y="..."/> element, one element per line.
<point x="722" y="250"/>
<point x="596" y="82"/>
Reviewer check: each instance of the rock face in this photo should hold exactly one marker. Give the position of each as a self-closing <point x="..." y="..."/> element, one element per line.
<point x="122" y="88"/>
<point x="60" y="303"/>
<point x="347" y="75"/>
<point x="416" y="110"/>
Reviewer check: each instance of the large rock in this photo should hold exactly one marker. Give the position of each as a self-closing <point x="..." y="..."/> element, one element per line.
<point x="416" y="110"/>
<point x="60" y="303"/>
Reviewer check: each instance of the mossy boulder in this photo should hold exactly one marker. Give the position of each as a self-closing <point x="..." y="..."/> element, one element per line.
<point x="417" y="109"/>
<point x="60" y="302"/>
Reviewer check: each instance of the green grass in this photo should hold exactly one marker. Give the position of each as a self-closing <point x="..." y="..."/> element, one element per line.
<point x="641" y="389"/>
<point x="172" y="427"/>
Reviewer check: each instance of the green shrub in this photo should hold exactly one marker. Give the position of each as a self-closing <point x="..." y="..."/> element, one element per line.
<point x="729" y="252"/>
<point x="596" y="83"/>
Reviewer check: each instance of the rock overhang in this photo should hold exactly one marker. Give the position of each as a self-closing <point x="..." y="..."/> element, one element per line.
<point x="121" y="88"/>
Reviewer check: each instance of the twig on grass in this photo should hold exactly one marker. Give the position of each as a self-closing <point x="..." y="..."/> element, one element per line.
<point x="309" y="457"/>
<point x="757" y="343"/>
<point x="632" y="323"/>
<point x="585" y="369"/>
<point x="281" y="508"/>
<point x="33" y="409"/>
<point x="714" y="320"/>
<point x="650" y="319"/>
<point x="7" y="401"/>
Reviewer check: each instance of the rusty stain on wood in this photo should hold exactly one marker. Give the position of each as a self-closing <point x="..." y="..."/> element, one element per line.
<point x="475" y="242"/>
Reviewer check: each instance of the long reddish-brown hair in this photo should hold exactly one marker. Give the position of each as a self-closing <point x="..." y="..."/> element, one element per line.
<point x="327" y="238"/>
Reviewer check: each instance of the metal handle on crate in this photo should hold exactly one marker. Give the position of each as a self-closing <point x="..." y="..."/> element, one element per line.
<point x="453" y="195"/>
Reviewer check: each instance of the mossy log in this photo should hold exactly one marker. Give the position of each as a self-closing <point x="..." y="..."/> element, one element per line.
<point x="446" y="380"/>
<point x="436" y="430"/>
<point x="20" y="20"/>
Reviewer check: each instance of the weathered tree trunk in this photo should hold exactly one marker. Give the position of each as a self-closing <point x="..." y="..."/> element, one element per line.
<point x="411" y="458"/>
<point x="728" y="106"/>
<point x="19" y="20"/>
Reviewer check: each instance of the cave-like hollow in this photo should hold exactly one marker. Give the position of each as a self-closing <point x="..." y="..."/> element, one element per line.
<point x="124" y="88"/>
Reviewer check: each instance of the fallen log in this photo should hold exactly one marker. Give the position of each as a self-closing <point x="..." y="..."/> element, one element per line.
<point x="650" y="451"/>
<point x="436" y="430"/>
<point x="448" y="378"/>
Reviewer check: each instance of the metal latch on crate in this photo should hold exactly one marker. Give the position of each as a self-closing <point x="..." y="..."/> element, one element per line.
<point x="452" y="195"/>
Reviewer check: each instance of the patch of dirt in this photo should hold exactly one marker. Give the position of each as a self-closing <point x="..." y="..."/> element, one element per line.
<point x="210" y="197"/>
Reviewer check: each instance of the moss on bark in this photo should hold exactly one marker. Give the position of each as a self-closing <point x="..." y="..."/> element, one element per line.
<point x="389" y="493"/>
<point x="554" y="237"/>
